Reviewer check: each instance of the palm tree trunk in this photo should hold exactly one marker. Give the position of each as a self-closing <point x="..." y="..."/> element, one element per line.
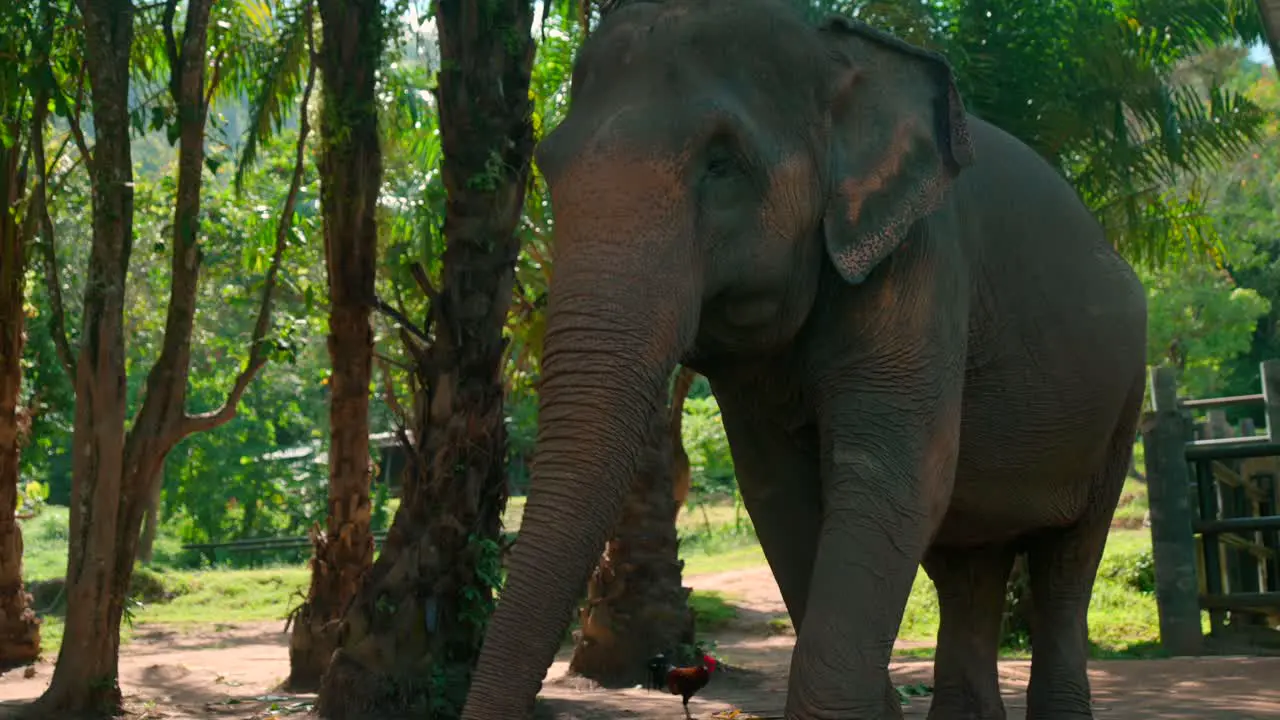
<point x="350" y="176"/>
<point x="151" y="521"/>
<point x="413" y="633"/>
<point x="636" y="604"/>
<point x="683" y="472"/>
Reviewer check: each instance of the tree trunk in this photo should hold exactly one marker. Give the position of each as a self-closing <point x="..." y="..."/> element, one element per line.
<point x="85" y="677"/>
<point x="411" y="638"/>
<point x="636" y="605"/>
<point x="113" y="472"/>
<point x="151" y="521"/>
<point x="350" y="176"/>
<point x="19" y="628"/>
<point x="1016" y="630"/>
<point x="682" y="472"/>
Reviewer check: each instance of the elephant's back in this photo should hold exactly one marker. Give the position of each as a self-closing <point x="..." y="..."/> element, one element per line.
<point x="1019" y="213"/>
<point x="1043" y="274"/>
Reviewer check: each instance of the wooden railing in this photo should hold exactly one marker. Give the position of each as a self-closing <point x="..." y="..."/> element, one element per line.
<point x="1215" y="524"/>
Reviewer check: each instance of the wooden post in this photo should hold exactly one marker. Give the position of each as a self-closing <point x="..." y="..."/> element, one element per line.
<point x="1215" y="561"/>
<point x="1218" y="427"/>
<point x="1247" y="427"/>
<point x="1270" y="371"/>
<point x="1271" y="396"/>
<point x="1164" y="437"/>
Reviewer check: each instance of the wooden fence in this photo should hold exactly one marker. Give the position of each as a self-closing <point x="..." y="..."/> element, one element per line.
<point x="1215" y="526"/>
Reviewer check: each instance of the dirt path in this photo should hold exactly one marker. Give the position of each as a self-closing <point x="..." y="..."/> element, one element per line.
<point x="232" y="672"/>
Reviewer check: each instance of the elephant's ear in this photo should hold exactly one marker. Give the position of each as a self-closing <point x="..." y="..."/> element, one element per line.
<point x="898" y="138"/>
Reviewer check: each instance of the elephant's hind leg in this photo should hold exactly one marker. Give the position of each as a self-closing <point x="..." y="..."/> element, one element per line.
<point x="1063" y="565"/>
<point x="971" y="594"/>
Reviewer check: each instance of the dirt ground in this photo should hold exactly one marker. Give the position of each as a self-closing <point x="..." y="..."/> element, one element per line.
<point x="232" y="671"/>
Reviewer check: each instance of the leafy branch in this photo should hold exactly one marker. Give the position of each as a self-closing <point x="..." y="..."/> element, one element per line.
<point x="40" y="211"/>
<point x="39" y="208"/>
<point x="278" y="85"/>
<point x="258" y="353"/>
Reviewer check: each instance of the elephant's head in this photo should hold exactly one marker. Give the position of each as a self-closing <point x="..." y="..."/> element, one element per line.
<point x="718" y="159"/>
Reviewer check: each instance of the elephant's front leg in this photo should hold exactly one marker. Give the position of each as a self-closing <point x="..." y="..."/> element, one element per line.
<point x="778" y="475"/>
<point x="888" y="469"/>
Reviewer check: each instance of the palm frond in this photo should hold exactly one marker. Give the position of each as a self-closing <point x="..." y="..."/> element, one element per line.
<point x="278" y="86"/>
<point x="241" y="35"/>
<point x="1200" y="23"/>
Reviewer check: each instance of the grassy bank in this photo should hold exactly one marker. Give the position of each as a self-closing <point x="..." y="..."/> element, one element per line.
<point x="715" y="538"/>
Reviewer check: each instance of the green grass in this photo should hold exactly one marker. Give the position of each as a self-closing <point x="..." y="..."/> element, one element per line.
<point x="199" y="598"/>
<point x="920" y="618"/>
<point x="712" y="610"/>
<point x="1122" y="621"/>
<point x="227" y="596"/>
<point x="739" y="558"/>
<point x="44" y="539"/>
<point x="1132" y="507"/>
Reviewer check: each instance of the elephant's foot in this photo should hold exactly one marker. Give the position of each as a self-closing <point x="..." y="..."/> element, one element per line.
<point x="953" y="707"/>
<point x="890" y="709"/>
<point x="1061" y="693"/>
<point x="1040" y="712"/>
<point x="971" y="701"/>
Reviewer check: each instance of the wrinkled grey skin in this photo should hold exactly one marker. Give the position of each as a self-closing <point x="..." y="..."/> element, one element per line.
<point x="924" y="349"/>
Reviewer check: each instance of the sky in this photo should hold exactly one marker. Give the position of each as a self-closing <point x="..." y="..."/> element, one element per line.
<point x="1260" y="53"/>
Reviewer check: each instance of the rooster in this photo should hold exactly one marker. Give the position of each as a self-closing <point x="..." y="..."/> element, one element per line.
<point x="682" y="681"/>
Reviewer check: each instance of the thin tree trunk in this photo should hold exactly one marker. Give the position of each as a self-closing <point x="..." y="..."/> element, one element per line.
<point x="150" y="521"/>
<point x="85" y="677"/>
<point x="350" y="177"/>
<point x="412" y="635"/>
<point x="636" y="604"/>
<point x="112" y="472"/>
<point x="19" y="628"/>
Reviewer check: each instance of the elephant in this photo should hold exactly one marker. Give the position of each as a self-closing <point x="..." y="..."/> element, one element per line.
<point x="925" y="349"/>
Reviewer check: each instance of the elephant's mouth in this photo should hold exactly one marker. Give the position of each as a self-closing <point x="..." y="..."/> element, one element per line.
<point x="743" y="322"/>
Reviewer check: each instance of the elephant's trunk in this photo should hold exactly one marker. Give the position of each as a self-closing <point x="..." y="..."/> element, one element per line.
<point x="614" y="334"/>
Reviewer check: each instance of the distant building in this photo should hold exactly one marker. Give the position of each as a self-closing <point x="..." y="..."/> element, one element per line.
<point x="390" y="459"/>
